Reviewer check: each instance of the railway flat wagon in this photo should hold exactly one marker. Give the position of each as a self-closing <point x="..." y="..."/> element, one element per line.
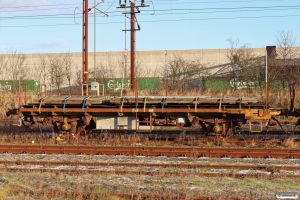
<point x="77" y="115"/>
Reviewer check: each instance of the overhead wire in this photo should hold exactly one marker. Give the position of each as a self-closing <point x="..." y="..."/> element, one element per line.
<point x="71" y="16"/>
<point x="35" y="6"/>
<point x="160" y="1"/>
<point x="215" y="10"/>
<point x="168" y="11"/>
<point x="113" y="3"/>
<point x="167" y="20"/>
<point x="211" y="2"/>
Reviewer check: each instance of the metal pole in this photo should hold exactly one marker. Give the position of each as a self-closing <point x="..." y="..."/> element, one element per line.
<point x="19" y="92"/>
<point x="85" y="47"/>
<point x="167" y="86"/>
<point x="95" y="43"/>
<point x="267" y="86"/>
<point x="132" y="64"/>
<point x="167" y="79"/>
<point x="125" y="55"/>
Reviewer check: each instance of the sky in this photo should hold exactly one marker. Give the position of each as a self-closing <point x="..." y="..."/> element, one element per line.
<point x="55" y="26"/>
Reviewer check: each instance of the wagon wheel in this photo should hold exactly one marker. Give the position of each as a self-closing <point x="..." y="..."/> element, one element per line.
<point x="229" y="133"/>
<point x="27" y="124"/>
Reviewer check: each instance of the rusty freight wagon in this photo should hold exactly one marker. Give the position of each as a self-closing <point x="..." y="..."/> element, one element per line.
<point x="75" y="115"/>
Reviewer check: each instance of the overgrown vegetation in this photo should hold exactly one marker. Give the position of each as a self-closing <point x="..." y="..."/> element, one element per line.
<point x="109" y="186"/>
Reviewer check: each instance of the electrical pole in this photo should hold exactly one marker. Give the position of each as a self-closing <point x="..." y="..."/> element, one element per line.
<point x="85" y="69"/>
<point x="132" y="46"/>
<point x="85" y="23"/>
<point x="133" y="10"/>
<point x="95" y="41"/>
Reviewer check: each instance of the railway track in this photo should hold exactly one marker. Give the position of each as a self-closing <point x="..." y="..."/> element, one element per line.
<point x="154" y="151"/>
<point x="175" y="170"/>
<point x="160" y="165"/>
<point x="112" y="172"/>
<point x="155" y="173"/>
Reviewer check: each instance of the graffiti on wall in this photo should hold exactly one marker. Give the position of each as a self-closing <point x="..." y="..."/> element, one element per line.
<point x="239" y="84"/>
<point x="117" y="85"/>
<point x="5" y="87"/>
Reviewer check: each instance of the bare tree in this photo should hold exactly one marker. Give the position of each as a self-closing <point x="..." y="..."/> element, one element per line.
<point x="173" y="72"/>
<point x="16" y="68"/>
<point x="196" y="73"/>
<point x="3" y="66"/>
<point x="287" y="67"/>
<point x="245" y="65"/>
<point x="16" y="65"/>
<point x="100" y="72"/>
<point x="184" y="75"/>
<point x="78" y="78"/>
<point x="56" y="71"/>
<point x="68" y="63"/>
<point x="155" y="72"/>
<point x="113" y="68"/>
<point x="139" y="70"/>
<point x="286" y="43"/>
<point x="40" y="68"/>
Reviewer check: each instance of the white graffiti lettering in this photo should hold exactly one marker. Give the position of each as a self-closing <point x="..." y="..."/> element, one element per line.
<point x="238" y="84"/>
<point x="116" y="85"/>
<point x="5" y="87"/>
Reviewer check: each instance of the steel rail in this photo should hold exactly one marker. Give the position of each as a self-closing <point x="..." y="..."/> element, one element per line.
<point x="151" y="173"/>
<point x="153" y="151"/>
<point x="189" y="166"/>
<point x="132" y="110"/>
<point x="3" y="121"/>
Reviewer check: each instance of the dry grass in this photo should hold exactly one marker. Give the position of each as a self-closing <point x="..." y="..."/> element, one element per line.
<point x="252" y="143"/>
<point x="289" y="143"/>
<point x="108" y="186"/>
<point x="134" y="139"/>
<point x="9" y="100"/>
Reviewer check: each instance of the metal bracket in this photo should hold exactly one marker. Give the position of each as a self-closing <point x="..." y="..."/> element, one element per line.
<point x="196" y="103"/>
<point x="84" y="102"/>
<point x="220" y="104"/>
<point x="163" y="105"/>
<point x="41" y="100"/>
<point x="123" y="99"/>
<point x="145" y="102"/>
<point x="65" y="102"/>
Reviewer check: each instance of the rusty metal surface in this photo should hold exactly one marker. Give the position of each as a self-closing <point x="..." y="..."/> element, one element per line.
<point x="154" y="151"/>
<point x="132" y="46"/>
<point x="129" y="110"/>
<point x="85" y="50"/>
<point x="250" y="107"/>
<point x="150" y="99"/>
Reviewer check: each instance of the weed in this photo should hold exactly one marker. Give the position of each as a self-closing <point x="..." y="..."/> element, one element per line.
<point x="252" y="143"/>
<point x="97" y="192"/>
<point x="290" y="143"/>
